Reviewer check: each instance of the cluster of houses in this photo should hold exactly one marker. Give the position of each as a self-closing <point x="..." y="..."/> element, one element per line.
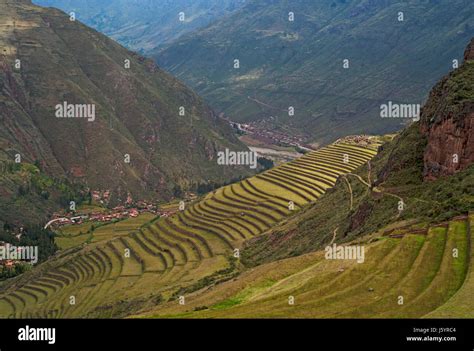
<point x="116" y="213"/>
<point x="100" y="196"/>
<point x="166" y="213"/>
<point x="129" y="209"/>
<point x="356" y="139"/>
<point x="264" y="132"/>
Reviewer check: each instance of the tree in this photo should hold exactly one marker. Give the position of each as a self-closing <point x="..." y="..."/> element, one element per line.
<point x="177" y="191"/>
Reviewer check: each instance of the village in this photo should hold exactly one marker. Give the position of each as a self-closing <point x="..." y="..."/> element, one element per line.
<point x="102" y="214"/>
<point x="362" y="140"/>
<point x="264" y="131"/>
<point x="98" y="213"/>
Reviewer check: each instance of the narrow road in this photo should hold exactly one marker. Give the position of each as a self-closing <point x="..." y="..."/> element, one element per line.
<point x="54" y="220"/>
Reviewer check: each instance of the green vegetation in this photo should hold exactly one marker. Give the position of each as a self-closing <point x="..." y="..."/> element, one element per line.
<point x="461" y="304"/>
<point x="396" y="173"/>
<point x="461" y="90"/>
<point x="137" y="113"/>
<point x="6" y="273"/>
<point x="242" y="296"/>
<point x="300" y="63"/>
<point x="124" y="265"/>
<point x="30" y="236"/>
<point x="250" y="248"/>
<point x="73" y="235"/>
<point x="29" y="195"/>
<point x="420" y="268"/>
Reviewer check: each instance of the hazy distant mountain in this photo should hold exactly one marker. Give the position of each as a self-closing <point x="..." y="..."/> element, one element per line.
<point x="145" y="132"/>
<point x="395" y="51"/>
<point x="141" y="25"/>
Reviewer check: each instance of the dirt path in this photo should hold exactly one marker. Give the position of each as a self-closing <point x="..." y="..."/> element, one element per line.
<point x="334" y="236"/>
<point x="264" y="104"/>
<point x="350" y="190"/>
<point x="374" y="189"/>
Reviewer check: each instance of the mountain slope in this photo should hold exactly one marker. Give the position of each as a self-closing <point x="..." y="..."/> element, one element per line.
<point x="332" y="195"/>
<point x="300" y="63"/>
<point x="369" y="201"/>
<point x="449" y="122"/>
<point x="137" y="141"/>
<point x="417" y="267"/>
<point x="121" y="272"/>
<point x="141" y="25"/>
<point x="412" y="230"/>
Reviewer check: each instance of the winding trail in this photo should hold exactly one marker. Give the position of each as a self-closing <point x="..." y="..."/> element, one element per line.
<point x="370" y="187"/>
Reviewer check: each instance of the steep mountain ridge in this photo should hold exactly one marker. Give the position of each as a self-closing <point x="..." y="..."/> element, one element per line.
<point x="395" y="51"/>
<point x="394" y="188"/>
<point x="138" y="141"/>
<point x="448" y="122"/>
<point x="141" y="25"/>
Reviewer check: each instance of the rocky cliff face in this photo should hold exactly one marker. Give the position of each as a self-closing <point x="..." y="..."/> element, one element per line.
<point x="448" y="121"/>
<point x="469" y="53"/>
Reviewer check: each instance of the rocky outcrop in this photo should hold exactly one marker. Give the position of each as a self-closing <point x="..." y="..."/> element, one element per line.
<point x="359" y="217"/>
<point x="469" y="53"/>
<point x="447" y="121"/>
<point x="450" y="147"/>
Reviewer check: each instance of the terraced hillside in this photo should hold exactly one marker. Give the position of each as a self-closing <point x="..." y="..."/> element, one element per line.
<point x="172" y="257"/>
<point x="407" y="273"/>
